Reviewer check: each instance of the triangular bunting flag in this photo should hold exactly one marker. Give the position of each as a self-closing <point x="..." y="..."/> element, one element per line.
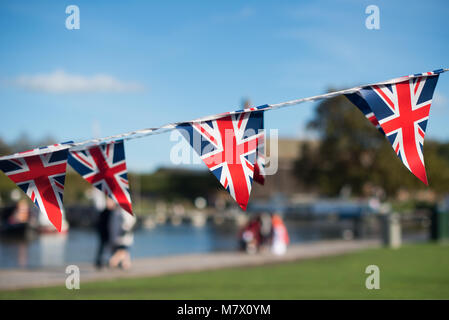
<point x="402" y="110"/>
<point x="40" y="173"/>
<point x="104" y="166"/>
<point x="228" y="146"/>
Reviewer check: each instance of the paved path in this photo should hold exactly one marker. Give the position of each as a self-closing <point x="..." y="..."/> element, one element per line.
<point x="16" y="279"/>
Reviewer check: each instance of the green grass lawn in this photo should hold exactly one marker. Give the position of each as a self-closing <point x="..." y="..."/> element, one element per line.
<point x="412" y="272"/>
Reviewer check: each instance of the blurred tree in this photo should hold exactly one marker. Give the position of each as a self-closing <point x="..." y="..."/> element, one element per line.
<point x="4" y="148"/>
<point x="22" y="143"/>
<point x="6" y="185"/>
<point x="352" y="153"/>
<point x="171" y="184"/>
<point x="75" y="188"/>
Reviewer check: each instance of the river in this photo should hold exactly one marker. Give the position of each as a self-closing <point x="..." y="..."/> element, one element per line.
<point x="79" y="245"/>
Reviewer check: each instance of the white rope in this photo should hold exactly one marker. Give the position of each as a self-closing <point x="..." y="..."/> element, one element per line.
<point x="168" y="127"/>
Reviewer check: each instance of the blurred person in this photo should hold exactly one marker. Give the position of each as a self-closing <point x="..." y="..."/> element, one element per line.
<point x="103" y="231"/>
<point x="280" y="238"/>
<point x="250" y="236"/>
<point x="21" y="213"/>
<point x="16" y="220"/>
<point x="121" y="237"/>
<point x="265" y="229"/>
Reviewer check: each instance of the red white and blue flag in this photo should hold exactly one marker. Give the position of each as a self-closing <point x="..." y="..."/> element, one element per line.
<point x="402" y="111"/>
<point x="228" y="146"/>
<point x="40" y="173"/>
<point x="104" y="166"/>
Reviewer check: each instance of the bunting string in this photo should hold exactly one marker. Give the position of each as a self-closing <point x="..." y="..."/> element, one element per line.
<point x="399" y="108"/>
<point x="171" y="126"/>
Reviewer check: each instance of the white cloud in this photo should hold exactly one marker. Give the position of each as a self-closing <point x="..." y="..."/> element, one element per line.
<point x="239" y="15"/>
<point x="439" y="103"/>
<point x="61" y="82"/>
<point x="245" y="12"/>
<point x="440" y="99"/>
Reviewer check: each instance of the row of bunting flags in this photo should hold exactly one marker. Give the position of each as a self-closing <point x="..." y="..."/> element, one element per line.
<point x="231" y="145"/>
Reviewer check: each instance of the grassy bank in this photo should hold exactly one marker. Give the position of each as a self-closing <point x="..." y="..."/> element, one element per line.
<point x="412" y="272"/>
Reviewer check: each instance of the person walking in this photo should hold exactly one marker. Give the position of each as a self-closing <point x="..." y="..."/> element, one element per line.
<point x="121" y="237"/>
<point x="103" y="231"/>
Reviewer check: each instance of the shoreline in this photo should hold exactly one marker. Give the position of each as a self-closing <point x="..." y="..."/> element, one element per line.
<point x="12" y="279"/>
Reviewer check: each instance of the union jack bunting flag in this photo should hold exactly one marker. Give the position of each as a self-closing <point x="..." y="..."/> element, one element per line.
<point x="104" y="166"/>
<point x="40" y="173"/>
<point x="402" y="110"/>
<point x="228" y="146"/>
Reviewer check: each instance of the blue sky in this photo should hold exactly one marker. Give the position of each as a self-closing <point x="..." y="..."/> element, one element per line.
<point x="152" y="63"/>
